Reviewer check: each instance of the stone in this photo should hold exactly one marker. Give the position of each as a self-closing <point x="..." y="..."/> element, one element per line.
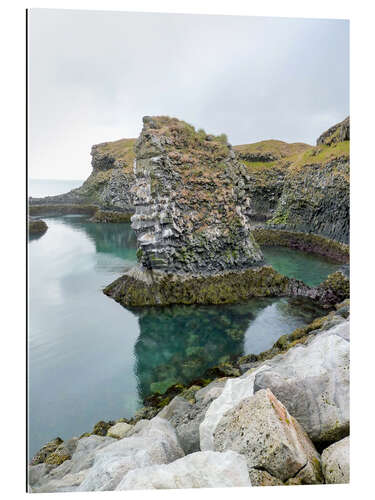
<point x="152" y="443"/>
<point x="211" y="391"/>
<point x="205" y="469"/>
<point x="45" y="451"/>
<point x="68" y="483"/>
<point x="336" y="462"/>
<point x="262" y="430"/>
<point x="186" y="419"/>
<point x="35" y="473"/>
<point x="312" y="381"/>
<point x="263" y="478"/>
<point x="119" y="430"/>
<point x="234" y="391"/>
<point x="101" y="428"/>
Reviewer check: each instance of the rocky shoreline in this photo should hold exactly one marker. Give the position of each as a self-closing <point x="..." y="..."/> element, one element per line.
<point x="201" y="211"/>
<point x="291" y="403"/>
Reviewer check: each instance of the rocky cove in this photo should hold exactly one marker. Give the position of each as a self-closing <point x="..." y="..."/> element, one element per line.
<point x="200" y="224"/>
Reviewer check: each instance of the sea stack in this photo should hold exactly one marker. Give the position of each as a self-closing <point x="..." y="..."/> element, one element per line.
<point x="190" y="206"/>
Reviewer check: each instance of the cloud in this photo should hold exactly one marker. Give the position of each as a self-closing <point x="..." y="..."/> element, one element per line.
<point x="93" y="75"/>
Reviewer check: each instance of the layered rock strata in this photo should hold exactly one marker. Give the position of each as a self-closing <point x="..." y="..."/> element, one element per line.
<point x="190" y="201"/>
<point x="315" y="196"/>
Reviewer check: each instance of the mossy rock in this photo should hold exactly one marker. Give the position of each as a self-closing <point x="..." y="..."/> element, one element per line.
<point x="110" y="216"/>
<point x="101" y="427"/>
<point x="37" y="226"/>
<point x="46" y="450"/>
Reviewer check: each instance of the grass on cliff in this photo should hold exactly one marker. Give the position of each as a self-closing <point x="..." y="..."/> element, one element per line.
<point x="321" y="155"/>
<point x="280" y="149"/>
<point x="121" y="150"/>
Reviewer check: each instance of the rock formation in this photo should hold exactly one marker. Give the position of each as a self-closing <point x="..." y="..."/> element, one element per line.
<point x="315" y="196"/>
<point x="108" y="187"/>
<point x="37" y="227"/>
<point x="190" y="201"/>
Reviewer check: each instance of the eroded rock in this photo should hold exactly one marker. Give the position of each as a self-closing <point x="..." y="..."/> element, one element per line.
<point x="312" y="381"/>
<point x="336" y="462"/>
<point x="262" y="430"/>
<point x="205" y="469"/>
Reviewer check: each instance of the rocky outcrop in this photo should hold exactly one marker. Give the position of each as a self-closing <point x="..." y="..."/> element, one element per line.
<point x="315" y="197"/>
<point x="336" y="462"/>
<point x="262" y="430"/>
<point x="190" y="201"/>
<point x="37" y="227"/>
<point x="204" y="469"/>
<point x="338" y="133"/>
<point x="109" y="186"/>
<point x="266" y="164"/>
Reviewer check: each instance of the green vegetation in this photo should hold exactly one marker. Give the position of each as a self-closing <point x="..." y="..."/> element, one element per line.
<point x="122" y="150"/>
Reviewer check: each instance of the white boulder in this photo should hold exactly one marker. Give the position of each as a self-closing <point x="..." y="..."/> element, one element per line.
<point x="203" y="469"/>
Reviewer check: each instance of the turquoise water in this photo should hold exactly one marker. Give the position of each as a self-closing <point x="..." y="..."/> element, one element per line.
<point x="300" y="265"/>
<point x="92" y="359"/>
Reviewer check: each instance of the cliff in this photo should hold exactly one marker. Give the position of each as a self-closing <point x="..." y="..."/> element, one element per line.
<point x="266" y="165"/>
<point x="110" y="182"/>
<point x="315" y="196"/>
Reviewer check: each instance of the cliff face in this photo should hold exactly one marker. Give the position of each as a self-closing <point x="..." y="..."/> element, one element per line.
<point x="109" y="185"/>
<point x="315" y="196"/>
<point x="190" y="201"/>
<point x="266" y="165"/>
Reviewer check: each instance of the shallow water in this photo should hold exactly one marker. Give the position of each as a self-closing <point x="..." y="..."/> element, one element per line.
<point x="92" y="359"/>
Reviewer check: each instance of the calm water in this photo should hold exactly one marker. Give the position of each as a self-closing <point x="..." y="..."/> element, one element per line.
<point x="300" y="265"/>
<point x="91" y="359"/>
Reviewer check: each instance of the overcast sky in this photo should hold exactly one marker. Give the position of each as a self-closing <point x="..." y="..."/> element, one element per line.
<point x="93" y="75"/>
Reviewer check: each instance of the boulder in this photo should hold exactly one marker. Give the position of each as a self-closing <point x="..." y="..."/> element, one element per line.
<point x="336" y="462"/>
<point x="204" y="469"/>
<point x="312" y="381"/>
<point x="234" y="391"/>
<point x="119" y="430"/>
<point x="46" y="450"/>
<point x="152" y="443"/>
<point x="186" y="419"/>
<point x="261" y="429"/>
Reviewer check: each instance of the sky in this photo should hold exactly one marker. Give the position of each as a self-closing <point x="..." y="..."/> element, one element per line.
<point x="94" y="74"/>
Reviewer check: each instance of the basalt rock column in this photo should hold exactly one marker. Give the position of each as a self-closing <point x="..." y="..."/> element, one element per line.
<point x="190" y="201"/>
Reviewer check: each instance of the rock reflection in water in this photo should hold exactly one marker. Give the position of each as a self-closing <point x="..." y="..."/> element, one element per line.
<point x="177" y="344"/>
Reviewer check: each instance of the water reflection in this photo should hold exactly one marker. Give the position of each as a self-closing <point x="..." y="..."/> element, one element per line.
<point x="178" y="343"/>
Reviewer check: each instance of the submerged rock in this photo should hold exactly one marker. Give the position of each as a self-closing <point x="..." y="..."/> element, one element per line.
<point x="261" y="429"/>
<point x="204" y="469"/>
<point x="336" y="462"/>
